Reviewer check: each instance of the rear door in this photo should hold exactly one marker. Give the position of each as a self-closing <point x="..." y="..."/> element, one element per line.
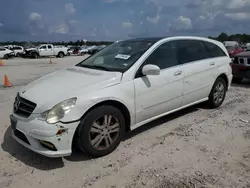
<point x="221" y="59"/>
<point x="198" y="70"/>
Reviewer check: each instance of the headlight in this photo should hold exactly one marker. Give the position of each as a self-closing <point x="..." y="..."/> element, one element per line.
<point x="58" y="111"/>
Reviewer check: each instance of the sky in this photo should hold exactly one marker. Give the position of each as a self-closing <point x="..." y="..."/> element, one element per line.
<point x="65" y="20"/>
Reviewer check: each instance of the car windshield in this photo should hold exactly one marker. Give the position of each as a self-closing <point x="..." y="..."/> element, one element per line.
<point x="119" y="56"/>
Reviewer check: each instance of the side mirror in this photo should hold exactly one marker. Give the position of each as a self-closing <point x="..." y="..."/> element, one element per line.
<point x="150" y="70"/>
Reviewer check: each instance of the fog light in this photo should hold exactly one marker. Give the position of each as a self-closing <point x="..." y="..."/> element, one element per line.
<point x="48" y="145"/>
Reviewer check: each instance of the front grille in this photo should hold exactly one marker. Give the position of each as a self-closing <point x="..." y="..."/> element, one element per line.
<point x="248" y="61"/>
<point x="23" y="107"/>
<point x="241" y="61"/>
<point x="21" y="136"/>
<point x="235" y="61"/>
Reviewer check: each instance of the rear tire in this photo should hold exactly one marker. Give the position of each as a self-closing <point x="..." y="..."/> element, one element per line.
<point x="101" y="131"/>
<point x="218" y="93"/>
<point x="61" y="54"/>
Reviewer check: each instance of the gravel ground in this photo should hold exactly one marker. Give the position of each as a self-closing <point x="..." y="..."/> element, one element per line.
<point x="197" y="147"/>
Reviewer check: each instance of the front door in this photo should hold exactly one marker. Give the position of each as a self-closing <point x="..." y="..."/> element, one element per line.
<point x="156" y="95"/>
<point x="43" y="50"/>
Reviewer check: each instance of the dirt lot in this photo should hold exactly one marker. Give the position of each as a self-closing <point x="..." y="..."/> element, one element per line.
<point x="197" y="147"/>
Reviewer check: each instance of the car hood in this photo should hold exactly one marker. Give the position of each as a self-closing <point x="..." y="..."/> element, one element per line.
<point x="66" y="83"/>
<point x="30" y="49"/>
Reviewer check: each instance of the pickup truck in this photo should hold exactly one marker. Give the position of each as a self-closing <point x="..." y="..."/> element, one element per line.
<point x="45" y="50"/>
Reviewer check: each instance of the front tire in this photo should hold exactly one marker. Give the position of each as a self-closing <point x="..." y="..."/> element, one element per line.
<point x="35" y="55"/>
<point x="101" y="131"/>
<point x="218" y="93"/>
<point x="6" y="56"/>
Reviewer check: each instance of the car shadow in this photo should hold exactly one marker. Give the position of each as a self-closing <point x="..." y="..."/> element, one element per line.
<point x="162" y="120"/>
<point x="78" y="156"/>
<point x="27" y="156"/>
<point x="244" y="84"/>
<point x="40" y="162"/>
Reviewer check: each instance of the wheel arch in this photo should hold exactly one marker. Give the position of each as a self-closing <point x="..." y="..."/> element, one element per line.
<point x="61" y="52"/>
<point x="224" y="77"/>
<point x="124" y="110"/>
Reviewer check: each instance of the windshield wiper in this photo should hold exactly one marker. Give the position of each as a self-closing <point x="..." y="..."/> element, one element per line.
<point x="96" y="67"/>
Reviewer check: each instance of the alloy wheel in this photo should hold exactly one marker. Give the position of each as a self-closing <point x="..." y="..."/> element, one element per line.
<point x="104" y="132"/>
<point x="219" y="92"/>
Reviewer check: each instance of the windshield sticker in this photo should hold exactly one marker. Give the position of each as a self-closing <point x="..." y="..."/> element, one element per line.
<point x="125" y="64"/>
<point x="122" y="56"/>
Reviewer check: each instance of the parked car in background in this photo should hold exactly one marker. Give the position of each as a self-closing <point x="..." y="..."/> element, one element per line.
<point x="77" y="50"/>
<point x="92" y="49"/>
<point x="116" y="90"/>
<point x="241" y="66"/>
<point x="100" y="47"/>
<point x="245" y="46"/>
<point x="18" y="50"/>
<point x="233" y="50"/>
<point x="231" y="43"/>
<point x="6" y="53"/>
<point x="46" y="50"/>
<point x="73" y="50"/>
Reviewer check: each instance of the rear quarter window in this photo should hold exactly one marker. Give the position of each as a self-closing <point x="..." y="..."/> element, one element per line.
<point x="191" y="50"/>
<point x="214" y="50"/>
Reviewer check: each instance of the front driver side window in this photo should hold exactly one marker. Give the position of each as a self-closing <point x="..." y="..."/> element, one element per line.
<point x="164" y="57"/>
<point x="43" y="47"/>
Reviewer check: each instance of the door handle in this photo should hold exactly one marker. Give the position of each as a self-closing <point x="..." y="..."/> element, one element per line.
<point x="177" y="73"/>
<point x="212" y="63"/>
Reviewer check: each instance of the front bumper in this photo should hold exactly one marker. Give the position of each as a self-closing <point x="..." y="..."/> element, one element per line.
<point x="33" y="134"/>
<point x="240" y="71"/>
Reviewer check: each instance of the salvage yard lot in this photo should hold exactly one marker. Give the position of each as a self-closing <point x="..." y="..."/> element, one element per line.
<point x="197" y="147"/>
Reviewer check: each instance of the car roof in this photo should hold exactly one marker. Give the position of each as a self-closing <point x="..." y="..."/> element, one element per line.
<point x="146" y="39"/>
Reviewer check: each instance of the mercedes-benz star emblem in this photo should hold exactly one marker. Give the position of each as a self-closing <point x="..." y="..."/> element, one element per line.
<point x="16" y="105"/>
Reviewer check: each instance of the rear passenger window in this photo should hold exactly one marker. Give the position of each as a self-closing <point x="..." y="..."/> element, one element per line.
<point x="164" y="56"/>
<point x="214" y="50"/>
<point x="191" y="50"/>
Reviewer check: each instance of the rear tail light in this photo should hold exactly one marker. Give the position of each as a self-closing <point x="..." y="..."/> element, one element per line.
<point x="231" y="64"/>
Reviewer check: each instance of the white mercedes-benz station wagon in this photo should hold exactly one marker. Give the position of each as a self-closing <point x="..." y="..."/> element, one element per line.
<point x="93" y="104"/>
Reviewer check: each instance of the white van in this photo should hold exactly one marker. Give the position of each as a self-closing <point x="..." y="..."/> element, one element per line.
<point x="230" y="43"/>
<point x="124" y="86"/>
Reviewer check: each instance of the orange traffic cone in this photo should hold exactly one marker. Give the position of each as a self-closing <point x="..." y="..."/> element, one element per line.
<point x="50" y="61"/>
<point x="1" y="62"/>
<point x="6" y="81"/>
